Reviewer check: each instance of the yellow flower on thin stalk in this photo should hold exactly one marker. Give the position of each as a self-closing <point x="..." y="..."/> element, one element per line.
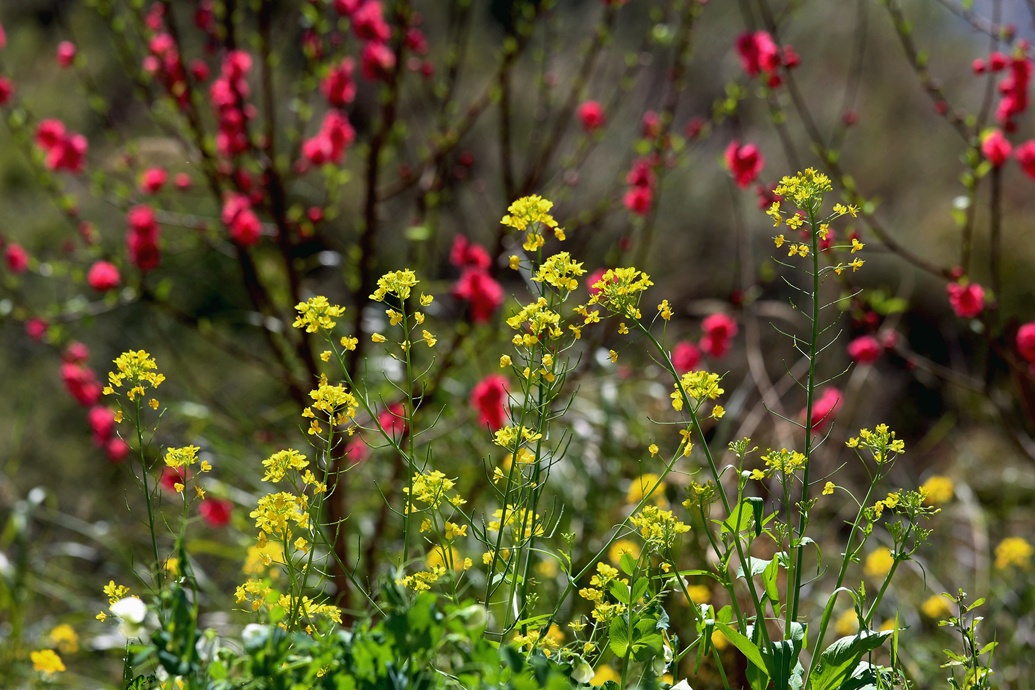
<point x="135" y="370"/>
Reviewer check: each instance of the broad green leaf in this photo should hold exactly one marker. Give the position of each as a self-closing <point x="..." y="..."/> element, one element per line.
<point x="639" y="589"/>
<point x="619" y="633"/>
<point x="758" y="566"/>
<point x="620" y="591"/>
<point x="843" y="655"/>
<point x="746" y="646"/>
<point x="772" y="591"/>
<point x="627" y="564"/>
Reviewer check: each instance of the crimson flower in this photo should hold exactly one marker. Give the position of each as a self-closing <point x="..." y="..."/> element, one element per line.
<point x="864" y="350"/>
<point x="966" y="300"/>
<point x="745" y="162"/>
<point x="103" y="276"/>
<point x="489" y="398"/>
<point x="685" y="356"/>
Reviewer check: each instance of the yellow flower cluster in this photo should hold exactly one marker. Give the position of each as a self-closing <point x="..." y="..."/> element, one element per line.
<point x="181" y="457"/>
<point x="523" y="523"/>
<point x="507" y="437"/>
<point x="619" y="291"/>
<point x="881" y="443"/>
<point x="597" y="592"/>
<point x="135" y="370"/>
<point x="1013" y="552"/>
<point x="260" y="560"/>
<point x="397" y="283"/>
<point x="535" y="319"/>
<point x="560" y="271"/>
<point x="697" y="386"/>
<point x="548" y="641"/>
<point x="937" y="489"/>
<point x="46" y="661"/>
<point x="879" y="562"/>
<point x="276" y="512"/>
<point x="641" y="485"/>
<point x="805" y="190"/>
<point x="336" y="403"/>
<point x="317" y="314"/>
<point x="531" y="214"/>
<point x="783" y="461"/>
<point x="281" y="462"/>
<point x="422" y="580"/>
<point x="658" y="527"/>
<point x="432" y="489"/>
<point x="64" y="637"/>
<point x="891" y="501"/>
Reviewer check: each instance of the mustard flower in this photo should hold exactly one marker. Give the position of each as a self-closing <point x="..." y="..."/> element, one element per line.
<point x="805" y="189"/>
<point x="1013" y="552"/>
<point x="64" y="637"/>
<point x="280" y="463"/>
<point x="658" y="526"/>
<point x="879" y="562"/>
<point x="531" y="214"/>
<point x="396" y="283"/>
<point x="619" y="291"/>
<point x="134" y="370"/>
<point x="937" y="489"/>
<point x="560" y="271"/>
<point x="317" y="314"/>
<point x="276" y="511"/>
<point x="181" y="457"/>
<point x="46" y="661"/>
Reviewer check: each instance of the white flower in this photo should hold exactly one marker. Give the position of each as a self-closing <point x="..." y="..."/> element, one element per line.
<point x="131" y="612"/>
<point x="254" y="635"/>
<point x="681" y="685"/>
<point x="582" y="673"/>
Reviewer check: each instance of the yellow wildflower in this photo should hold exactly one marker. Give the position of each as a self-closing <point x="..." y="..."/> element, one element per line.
<point x="46" y="661"/>
<point x="879" y="562"/>
<point x="1013" y="551"/>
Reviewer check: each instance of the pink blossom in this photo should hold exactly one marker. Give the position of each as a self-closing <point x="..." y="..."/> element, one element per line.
<point x="36" y="329"/>
<point x="102" y="423"/>
<point x="719" y="330"/>
<point x="1014" y="90"/>
<point x="171" y="476"/>
<point x="1025" y="155"/>
<point x="489" y="398"/>
<point x="997" y="61"/>
<point x="81" y="383"/>
<point x="238" y="217"/>
<point x="685" y="356"/>
<point x="995" y="147"/>
<point x="215" y="511"/>
<point x="368" y="22"/>
<point x="591" y="115"/>
<point x="758" y="53"/>
<point x="416" y="41"/>
<point x="377" y="60"/>
<point x="182" y="181"/>
<point x="967" y="300"/>
<point x="639" y="200"/>
<point x="745" y="162"/>
<point x="331" y="142"/>
<point x="3" y="37"/>
<point x="1026" y="342"/>
<point x="650" y="125"/>
<point x="6" y="90"/>
<point x="825" y="408"/>
<point x="393" y="420"/>
<point x="63" y="150"/>
<point x="641" y="174"/>
<point x="103" y="276"/>
<point x="464" y="254"/>
<point x="347" y="8"/>
<point x="864" y="350"/>
<point x="76" y="353"/>
<point x="66" y="53"/>
<point x="481" y="291"/>
<point x="116" y="449"/>
<point x="17" y="258"/>
<point x="338" y="86"/>
<point x="153" y="180"/>
<point x="142" y="238"/>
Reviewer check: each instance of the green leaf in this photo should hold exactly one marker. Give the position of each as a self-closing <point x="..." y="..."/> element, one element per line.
<point x="740" y="519"/>
<point x="620" y="591"/>
<point x="746" y="646"/>
<point x="842" y="657"/>
<point x="772" y="591"/>
<point x="619" y="634"/>
<point x="758" y="566"/>
<point x="627" y="564"/>
<point x="639" y="589"/>
<point x="758" y="508"/>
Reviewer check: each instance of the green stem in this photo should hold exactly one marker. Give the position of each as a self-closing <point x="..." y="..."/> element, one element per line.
<point x="796" y="549"/>
<point x="147" y="495"/>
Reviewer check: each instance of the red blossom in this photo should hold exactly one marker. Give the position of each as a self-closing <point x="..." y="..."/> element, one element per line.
<point x="182" y="181"/>
<point x="1026" y="342"/>
<point x="745" y="162"/>
<point x="377" y="60"/>
<point x="103" y="276"/>
<point x="102" y="423"/>
<point x="66" y="53"/>
<point x="639" y="200"/>
<point x="642" y="173"/>
<point x="153" y="180"/>
<point x="368" y="22"/>
<point x="393" y="420"/>
<point x="3" y="37"/>
<point x="864" y="350"/>
<point x="142" y="238"/>
<point x="825" y="408"/>
<point x="464" y="254"/>
<point x="416" y="41"/>
<point x="215" y="511"/>
<point x="758" y="53"/>
<point x="591" y="115"/>
<point x="489" y="397"/>
<point x="63" y="150"/>
<point x="719" y="330"/>
<point x="331" y="142"/>
<point x="967" y="300"/>
<point x="481" y="291"/>
<point x="6" y="90"/>
<point x="651" y="125"/>
<point x="338" y="87"/>
<point x="171" y="476"/>
<point x="116" y="449"/>
<point x="1014" y="90"/>
<point x="685" y="356"/>
<point x="347" y="8"/>
<point x="1025" y="155"/>
<point x="81" y="383"/>
<point x="17" y="258"/>
<point x="239" y="218"/>
<point x="995" y="147"/>
<point x="76" y="353"/>
<point x="36" y="329"/>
